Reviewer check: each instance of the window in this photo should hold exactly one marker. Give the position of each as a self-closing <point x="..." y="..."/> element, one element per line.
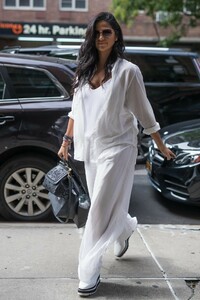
<point x="184" y="106"/>
<point x="2" y="88"/>
<point x="73" y="4"/>
<point x="25" y="4"/>
<point x="165" y="68"/>
<point x="31" y="83"/>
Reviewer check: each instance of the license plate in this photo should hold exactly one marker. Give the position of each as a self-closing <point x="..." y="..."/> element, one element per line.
<point x="148" y="166"/>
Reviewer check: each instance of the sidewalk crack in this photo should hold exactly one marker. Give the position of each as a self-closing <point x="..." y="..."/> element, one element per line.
<point x="192" y="285"/>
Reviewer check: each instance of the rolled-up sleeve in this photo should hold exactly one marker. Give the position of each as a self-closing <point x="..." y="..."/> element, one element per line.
<point x="70" y="115"/>
<point x="153" y="129"/>
<point x="138" y="103"/>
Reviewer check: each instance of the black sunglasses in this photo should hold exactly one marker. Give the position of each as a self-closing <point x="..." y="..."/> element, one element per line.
<point x="105" y="32"/>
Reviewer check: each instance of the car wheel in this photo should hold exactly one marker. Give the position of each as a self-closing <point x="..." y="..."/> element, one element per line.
<point x="22" y="195"/>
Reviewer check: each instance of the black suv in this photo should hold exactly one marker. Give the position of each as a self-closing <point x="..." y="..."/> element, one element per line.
<point x="172" y="81"/>
<point x="171" y="76"/>
<point x="34" y="103"/>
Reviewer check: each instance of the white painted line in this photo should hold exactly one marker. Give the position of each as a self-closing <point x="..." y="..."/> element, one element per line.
<point x="159" y="266"/>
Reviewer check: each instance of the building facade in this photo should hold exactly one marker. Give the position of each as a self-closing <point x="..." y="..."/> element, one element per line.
<point x="30" y="23"/>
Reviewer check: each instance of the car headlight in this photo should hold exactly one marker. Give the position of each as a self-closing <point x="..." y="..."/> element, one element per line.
<point x="187" y="159"/>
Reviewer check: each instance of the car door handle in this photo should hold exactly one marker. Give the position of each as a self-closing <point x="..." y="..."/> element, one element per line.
<point x="5" y="119"/>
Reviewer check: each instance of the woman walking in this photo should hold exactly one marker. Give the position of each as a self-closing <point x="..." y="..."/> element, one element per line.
<point x="109" y="100"/>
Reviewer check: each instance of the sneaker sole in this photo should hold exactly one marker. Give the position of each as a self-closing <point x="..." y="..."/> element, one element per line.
<point x="90" y="291"/>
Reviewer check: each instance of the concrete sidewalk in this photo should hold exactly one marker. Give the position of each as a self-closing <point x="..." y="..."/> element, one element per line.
<point x="39" y="262"/>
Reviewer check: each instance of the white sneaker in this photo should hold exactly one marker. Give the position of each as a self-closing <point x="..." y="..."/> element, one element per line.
<point x="86" y="290"/>
<point x="120" y="247"/>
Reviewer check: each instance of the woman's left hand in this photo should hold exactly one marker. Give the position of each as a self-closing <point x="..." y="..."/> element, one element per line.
<point x="167" y="152"/>
<point x="161" y="146"/>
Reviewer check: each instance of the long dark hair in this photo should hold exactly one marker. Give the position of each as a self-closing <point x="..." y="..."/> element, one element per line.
<point x="88" y="54"/>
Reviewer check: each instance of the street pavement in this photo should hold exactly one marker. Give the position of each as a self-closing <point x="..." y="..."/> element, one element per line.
<point x="39" y="262"/>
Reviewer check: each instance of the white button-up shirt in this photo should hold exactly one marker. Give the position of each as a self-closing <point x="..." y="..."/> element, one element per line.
<point x="116" y="124"/>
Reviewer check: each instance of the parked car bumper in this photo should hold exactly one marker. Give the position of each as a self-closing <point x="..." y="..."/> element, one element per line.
<point x="180" y="183"/>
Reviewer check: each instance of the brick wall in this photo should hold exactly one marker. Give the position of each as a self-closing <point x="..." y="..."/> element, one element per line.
<point x="142" y="31"/>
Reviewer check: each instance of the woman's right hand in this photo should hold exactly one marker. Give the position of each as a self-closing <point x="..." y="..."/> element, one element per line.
<point x="63" y="152"/>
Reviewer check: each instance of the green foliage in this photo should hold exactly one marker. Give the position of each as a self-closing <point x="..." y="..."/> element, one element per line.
<point x="125" y="11"/>
<point x="180" y="15"/>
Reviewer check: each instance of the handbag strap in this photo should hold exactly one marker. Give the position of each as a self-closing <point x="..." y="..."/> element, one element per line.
<point x="70" y="197"/>
<point x="75" y="173"/>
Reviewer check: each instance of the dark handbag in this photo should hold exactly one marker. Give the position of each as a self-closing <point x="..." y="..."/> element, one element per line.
<point x="67" y="194"/>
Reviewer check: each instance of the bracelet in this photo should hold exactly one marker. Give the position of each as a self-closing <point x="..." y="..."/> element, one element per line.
<point x="67" y="138"/>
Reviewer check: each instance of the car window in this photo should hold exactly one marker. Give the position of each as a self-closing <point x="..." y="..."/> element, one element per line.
<point x="32" y="83"/>
<point x="2" y="88"/>
<point x="165" y="68"/>
<point x="182" y="108"/>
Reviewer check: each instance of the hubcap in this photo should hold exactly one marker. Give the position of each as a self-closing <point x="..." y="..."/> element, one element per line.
<point x="25" y="194"/>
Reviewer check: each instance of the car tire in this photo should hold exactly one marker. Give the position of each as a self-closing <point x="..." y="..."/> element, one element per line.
<point x="22" y="196"/>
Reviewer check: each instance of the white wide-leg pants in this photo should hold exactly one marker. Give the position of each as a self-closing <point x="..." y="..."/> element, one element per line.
<point x="109" y="183"/>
